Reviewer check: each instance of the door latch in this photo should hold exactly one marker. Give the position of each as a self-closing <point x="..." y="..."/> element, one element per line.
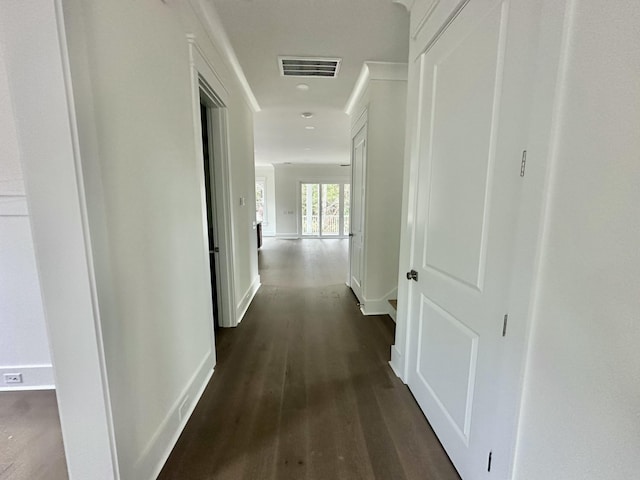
<point x="412" y="275"/>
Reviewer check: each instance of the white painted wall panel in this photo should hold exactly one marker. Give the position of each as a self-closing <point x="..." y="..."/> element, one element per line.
<point x="137" y="163"/>
<point x="581" y="413"/>
<point x="385" y="158"/>
<point x="24" y="345"/>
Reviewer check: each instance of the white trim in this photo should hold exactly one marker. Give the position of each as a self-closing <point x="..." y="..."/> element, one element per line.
<point x="205" y="68"/>
<point x="34" y="377"/>
<point x="159" y="447"/>
<point x="205" y="79"/>
<point x="396" y="363"/>
<point x="409" y="199"/>
<point x="392" y="313"/>
<point x="408" y="4"/>
<point x="288" y="236"/>
<point x="206" y="13"/>
<point x="358" y="89"/>
<point x="77" y="158"/>
<point x="426" y="15"/>
<point x="378" y="306"/>
<point x="362" y="121"/>
<point x="389" y="71"/>
<point x="243" y="305"/>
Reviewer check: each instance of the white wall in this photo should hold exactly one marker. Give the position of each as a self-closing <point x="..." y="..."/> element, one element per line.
<point x="139" y="199"/>
<point x="24" y="346"/>
<point x="382" y="93"/>
<point x="287" y="185"/>
<point x="581" y="410"/>
<point x="385" y="157"/>
<point x="267" y="172"/>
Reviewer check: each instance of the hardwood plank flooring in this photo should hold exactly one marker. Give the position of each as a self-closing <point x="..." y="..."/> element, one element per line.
<point x="302" y="388"/>
<point x="30" y="437"/>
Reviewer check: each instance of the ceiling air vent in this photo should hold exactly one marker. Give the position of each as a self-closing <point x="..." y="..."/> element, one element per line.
<point x="309" y="67"/>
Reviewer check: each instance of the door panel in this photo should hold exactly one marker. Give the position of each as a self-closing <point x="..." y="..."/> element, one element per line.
<point x="465" y="90"/>
<point x="472" y="129"/>
<point x="445" y="340"/>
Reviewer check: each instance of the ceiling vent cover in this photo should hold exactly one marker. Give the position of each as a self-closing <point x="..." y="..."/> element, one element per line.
<point x="309" y="67"/>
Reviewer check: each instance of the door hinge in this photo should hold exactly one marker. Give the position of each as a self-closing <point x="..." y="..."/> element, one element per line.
<point x="489" y="462"/>
<point x="523" y="163"/>
<point x="504" y="325"/>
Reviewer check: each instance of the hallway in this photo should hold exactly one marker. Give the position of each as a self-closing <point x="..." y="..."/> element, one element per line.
<point x="302" y="388"/>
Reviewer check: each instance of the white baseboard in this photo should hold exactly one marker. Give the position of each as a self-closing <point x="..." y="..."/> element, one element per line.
<point x="379" y="306"/>
<point x="288" y="236"/>
<point x="34" y="377"/>
<point x="243" y="305"/>
<point x="157" y="451"/>
<point x="396" y="363"/>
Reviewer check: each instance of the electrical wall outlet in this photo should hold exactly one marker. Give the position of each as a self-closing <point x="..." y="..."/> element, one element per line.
<point x="12" y="378"/>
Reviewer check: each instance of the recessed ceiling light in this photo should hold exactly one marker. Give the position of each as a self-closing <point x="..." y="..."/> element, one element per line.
<point x="306" y="115"/>
<point x="310" y="127"/>
<point x="307" y="149"/>
<point x="302" y="86"/>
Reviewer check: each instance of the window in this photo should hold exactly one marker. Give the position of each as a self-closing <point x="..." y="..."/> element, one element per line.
<point x="261" y="200"/>
<point x="325" y="209"/>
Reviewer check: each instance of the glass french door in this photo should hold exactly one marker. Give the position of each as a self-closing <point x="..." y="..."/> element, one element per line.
<point x="325" y="209"/>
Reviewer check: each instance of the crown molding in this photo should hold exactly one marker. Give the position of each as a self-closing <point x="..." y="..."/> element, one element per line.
<point x="211" y="20"/>
<point x="389" y="71"/>
<point x="408" y="4"/>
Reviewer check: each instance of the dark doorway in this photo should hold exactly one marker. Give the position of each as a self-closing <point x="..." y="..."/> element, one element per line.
<point x="211" y="224"/>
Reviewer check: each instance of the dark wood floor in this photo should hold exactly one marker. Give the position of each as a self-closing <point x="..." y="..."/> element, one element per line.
<point x="30" y="438"/>
<point x="302" y="388"/>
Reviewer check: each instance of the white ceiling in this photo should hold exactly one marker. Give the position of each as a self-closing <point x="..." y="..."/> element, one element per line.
<point x="354" y="30"/>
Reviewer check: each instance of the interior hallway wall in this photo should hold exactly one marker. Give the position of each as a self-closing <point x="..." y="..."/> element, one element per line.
<point x="24" y="346"/>
<point x="581" y="411"/>
<point x="129" y="89"/>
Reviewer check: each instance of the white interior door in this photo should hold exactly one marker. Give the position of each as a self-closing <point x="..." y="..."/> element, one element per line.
<point x="356" y="245"/>
<point x="472" y="130"/>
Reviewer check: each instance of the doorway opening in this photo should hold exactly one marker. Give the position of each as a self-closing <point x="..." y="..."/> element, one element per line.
<point x="211" y="114"/>
<point x="325" y="209"/>
<point x="212" y="224"/>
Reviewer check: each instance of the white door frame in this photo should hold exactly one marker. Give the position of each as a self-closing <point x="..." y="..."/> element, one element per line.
<point x="206" y="83"/>
<point x="548" y="94"/>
